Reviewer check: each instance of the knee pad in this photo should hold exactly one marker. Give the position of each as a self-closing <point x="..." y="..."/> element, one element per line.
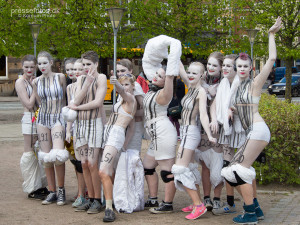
<point x="77" y="165"/>
<point x="164" y="176"/>
<point x="237" y="174"/>
<point x="48" y="165"/>
<point x="149" y="171"/>
<point x="184" y="177"/>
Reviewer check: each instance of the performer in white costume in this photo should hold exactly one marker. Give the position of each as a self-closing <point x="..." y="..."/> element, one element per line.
<point x="89" y="98"/>
<point x="121" y="117"/>
<point x="186" y="174"/>
<point x="245" y="104"/>
<point x="50" y="91"/>
<point x="33" y="174"/>
<point x="158" y="125"/>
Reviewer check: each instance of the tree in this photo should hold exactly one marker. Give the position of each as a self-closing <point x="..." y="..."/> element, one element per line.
<point x="262" y="14"/>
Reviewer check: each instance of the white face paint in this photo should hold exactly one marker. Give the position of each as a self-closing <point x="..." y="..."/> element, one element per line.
<point x="29" y="68"/>
<point x="128" y="87"/>
<point x="44" y="65"/>
<point x="243" y="68"/>
<point x="70" y="70"/>
<point x="194" y="73"/>
<point x="88" y="65"/>
<point x="159" y="78"/>
<point x="228" y="69"/>
<point x="78" y="69"/>
<point x="213" y="67"/>
<point x="122" y="70"/>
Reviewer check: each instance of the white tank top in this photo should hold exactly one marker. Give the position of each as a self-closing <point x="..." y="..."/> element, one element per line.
<point x="151" y="108"/>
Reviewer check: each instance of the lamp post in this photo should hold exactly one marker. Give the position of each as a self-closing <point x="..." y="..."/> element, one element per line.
<point x="35" y="29"/>
<point x="252" y="34"/>
<point x="115" y="15"/>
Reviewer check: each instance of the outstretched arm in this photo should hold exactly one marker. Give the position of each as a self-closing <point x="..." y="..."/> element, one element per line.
<point x="260" y="80"/>
<point x="203" y="115"/>
<point x="183" y="74"/>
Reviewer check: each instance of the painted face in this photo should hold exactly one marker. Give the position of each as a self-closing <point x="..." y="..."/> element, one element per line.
<point x="70" y="70"/>
<point x="122" y="70"/>
<point x="78" y="69"/>
<point x="159" y="78"/>
<point x="228" y="68"/>
<point x="213" y="67"/>
<point x="128" y="87"/>
<point x="44" y="65"/>
<point x="243" y="68"/>
<point x="88" y="65"/>
<point x="194" y="74"/>
<point x="29" y="68"/>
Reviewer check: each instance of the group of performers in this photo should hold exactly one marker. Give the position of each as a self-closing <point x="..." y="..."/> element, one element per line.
<point x="219" y="115"/>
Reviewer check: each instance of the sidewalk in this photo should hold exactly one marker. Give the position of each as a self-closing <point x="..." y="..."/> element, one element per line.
<point x="9" y="99"/>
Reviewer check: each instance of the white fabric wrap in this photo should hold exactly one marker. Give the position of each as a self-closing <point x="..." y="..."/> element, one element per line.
<point x="68" y="114"/>
<point x="32" y="172"/>
<point x="128" y="190"/>
<point x="186" y="176"/>
<point x="214" y="162"/>
<point x="156" y="50"/>
<point x="61" y="155"/>
<point x="223" y="98"/>
<point x="244" y="173"/>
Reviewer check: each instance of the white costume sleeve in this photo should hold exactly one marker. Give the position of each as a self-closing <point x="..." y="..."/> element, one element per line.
<point x="138" y="89"/>
<point x="156" y="50"/>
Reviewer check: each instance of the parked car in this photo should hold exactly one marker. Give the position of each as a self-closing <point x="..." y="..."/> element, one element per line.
<point x="280" y="72"/>
<point x="279" y="88"/>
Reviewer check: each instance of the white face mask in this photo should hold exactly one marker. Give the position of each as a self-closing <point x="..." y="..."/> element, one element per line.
<point x="213" y="67"/>
<point x="194" y="74"/>
<point x="88" y="65"/>
<point x="70" y="70"/>
<point x="29" y="68"/>
<point x="243" y="68"/>
<point x="44" y="65"/>
<point x="228" y="68"/>
<point x="122" y="70"/>
<point x="78" y="69"/>
<point x="159" y="78"/>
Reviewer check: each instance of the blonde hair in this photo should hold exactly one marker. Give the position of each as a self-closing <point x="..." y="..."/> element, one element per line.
<point x="202" y="68"/>
<point x="128" y="77"/>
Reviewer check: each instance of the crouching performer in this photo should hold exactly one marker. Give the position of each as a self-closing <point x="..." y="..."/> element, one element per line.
<point x="114" y="137"/>
<point x="33" y="174"/>
<point x="186" y="174"/>
<point x="245" y="104"/>
<point x="50" y="90"/>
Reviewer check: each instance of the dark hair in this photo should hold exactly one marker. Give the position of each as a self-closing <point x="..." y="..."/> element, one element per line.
<point x="126" y="63"/>
<point x="29" y="58"/>
<point x="90" y="55"/>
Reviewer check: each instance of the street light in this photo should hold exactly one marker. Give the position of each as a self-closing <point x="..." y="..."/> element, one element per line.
<point x="35" y="29"/>
<point x="115" y="15"/>
<point x="252" y="34"/>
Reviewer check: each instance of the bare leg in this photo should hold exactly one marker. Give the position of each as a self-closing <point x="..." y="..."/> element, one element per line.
<point x="205" y="179"/>
<point x="254" y="188"/>
<point x="149" y="162"/>
<point x="93" y="164"/>
<point x="81" y="184"/>
<point x="29" y="141"/>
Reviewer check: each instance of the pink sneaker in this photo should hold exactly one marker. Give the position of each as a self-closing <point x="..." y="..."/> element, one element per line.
<point x="187" y="209"/>
<point x="197" y="212"/>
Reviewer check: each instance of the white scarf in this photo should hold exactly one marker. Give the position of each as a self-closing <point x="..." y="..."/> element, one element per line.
<point x="223" y="99"/>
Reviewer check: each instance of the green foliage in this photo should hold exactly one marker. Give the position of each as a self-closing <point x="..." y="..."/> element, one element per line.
<point x="283" y="152"/>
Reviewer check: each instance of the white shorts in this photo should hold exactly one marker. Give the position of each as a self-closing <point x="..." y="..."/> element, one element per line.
<point x="260" y="131"/>
<point x="114" y="136"/>
<point x="28" y="127"/>
<point x="163" y="139"/>
<point x="190" y="137"/>
<point x="214" y="162"/>
<point x="89" y="132"/>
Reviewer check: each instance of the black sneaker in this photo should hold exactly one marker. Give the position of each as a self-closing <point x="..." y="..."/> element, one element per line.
<point x="163" y="208"/>
<point x="109" y="216"/>
<point x="150" y="203"/>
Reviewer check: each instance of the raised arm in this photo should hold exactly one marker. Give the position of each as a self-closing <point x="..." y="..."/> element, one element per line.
<point x="166" y="94"/>
<point x="260" y="79"/>
<point x="203" y="115"/>
<point x="183" y="74"/>
<point x="127" y="97"/>
<point x="23" y="96"/>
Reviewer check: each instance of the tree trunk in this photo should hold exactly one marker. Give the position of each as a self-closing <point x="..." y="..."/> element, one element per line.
<point x="288" y="77"/>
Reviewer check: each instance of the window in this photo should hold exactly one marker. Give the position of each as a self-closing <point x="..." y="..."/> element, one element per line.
<point x="3" y="68"/>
